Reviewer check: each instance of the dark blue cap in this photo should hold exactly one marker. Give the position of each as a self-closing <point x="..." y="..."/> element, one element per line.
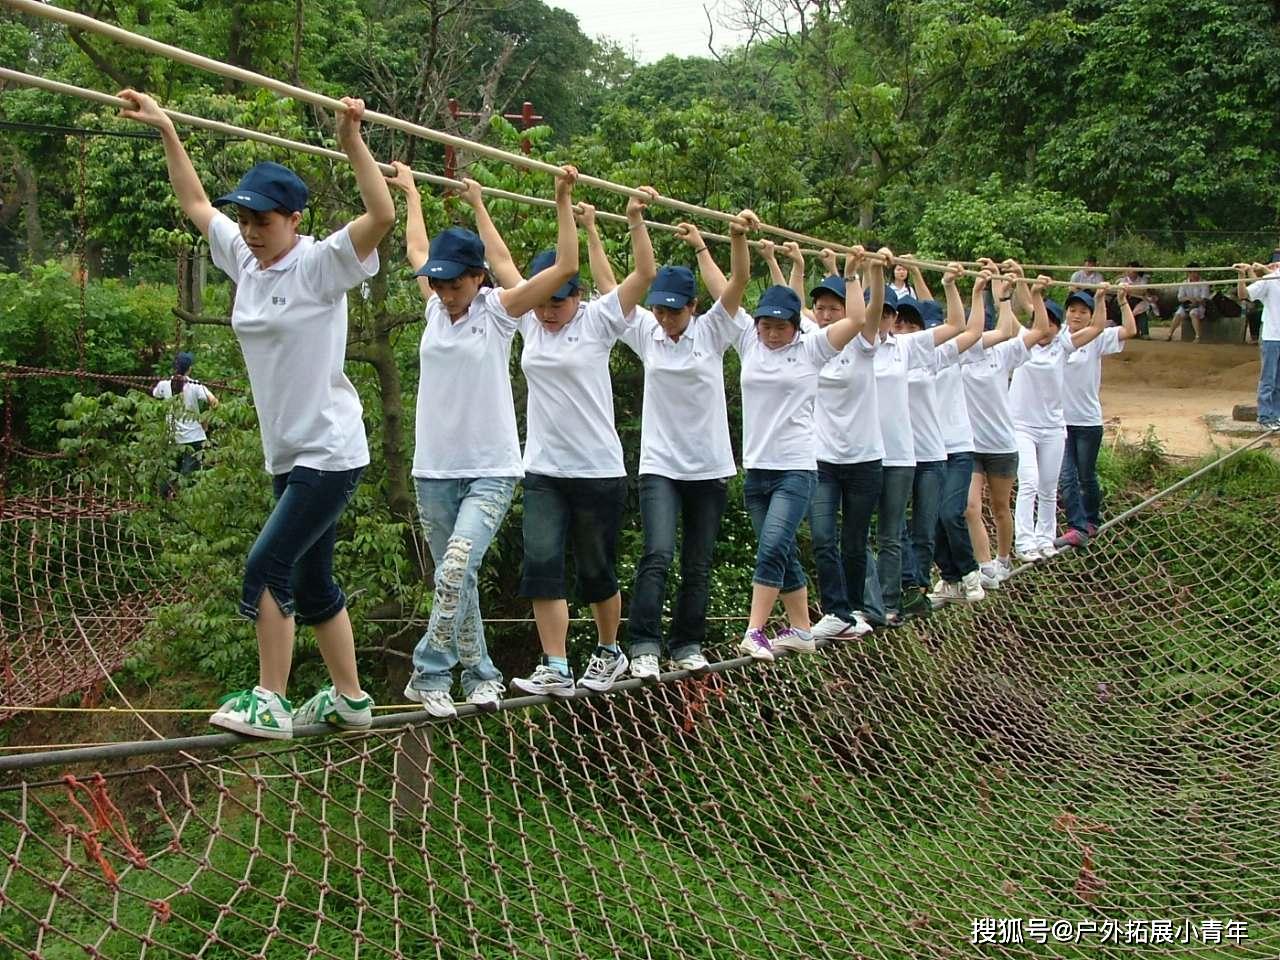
<point x="1275" y="256"/>
<point x="453" y="252"/>
<point x="268" y="186"/>
<point x="778" y="303"/>
<point x="1055" y="311"/>
<point x="673" y="287"/>
<point x="890" y="298"/>
<point x="1084" y="296"/>
<point x="544" y="261"/>
<point x="931" y="312"/>
<point x="832" y="284"/>
<point x="183" y="361"/>
<point x="909" y="305"/>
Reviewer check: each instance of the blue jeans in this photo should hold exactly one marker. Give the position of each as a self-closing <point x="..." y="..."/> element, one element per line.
<point x="850" y="490"/>
<point x="917" y="539"/>
<point x="293" y="555"/>
<point x="460" y="519"/>
<point x="1078" y="490"/>
<point x="1269" y="382"/>
<point x="890" y="516"/>
<point x="584" y="510"/>
<point x="777" y="501"/>
<point x="872" y="596"/>
<point x="953" y="551"/>
<point x="696" y="506"/>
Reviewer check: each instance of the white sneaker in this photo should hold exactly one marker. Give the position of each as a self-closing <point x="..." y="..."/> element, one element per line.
<point x="795" y="640"/>
<point x="1028" y="556"/>
<point x="257" y="712"/>
<point x="990" y="575"/>
<point x="755" y="644"/>
<point x="545" y="682"/>
<point x="1048" y="550"/>
<point x="971" y="587"/>
<point x="695" y="663"/>
<point x="645" y="668"/>
<point x="604" y="669"/>
<point x="944" y="592"/>
<point x="487" y="695"/>
<point x="1004" y="566"/>
<point x="832" y="627"/>
<point x="438" y="703"/>
<point x="339" y="710"/>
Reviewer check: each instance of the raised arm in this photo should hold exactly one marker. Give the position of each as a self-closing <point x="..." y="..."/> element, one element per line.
<point x="875" y="283"/>
<point x="713" y="277"/>
<point x="601" y="269"/>
<point x="1243" y="270"/>
<point x="830" y="262"/>
<point x="1005" y="320"/>
<point x="792" y="250"/>
<point x="1129" y="330"/>
<point x="417" y="243"/>
<point x="972" y="332"/>
<point x="633" y="287"/>
<point x="527" y="294"/>
<point x="953" y="326"/>
<point x="769" y="254"/>
<point x="739" y="261"/>
<point x="917" y="281"/>
<point x="840" y="333"/>
<point x="853" y="265"/>
<point x="1022" y="304"/>
<point x="1094" y="330"/>
<point x="182" y="174"/>
<point x="1040" y="331"/>
<point x="368" y="229"/>
<point x="501" y="263"/>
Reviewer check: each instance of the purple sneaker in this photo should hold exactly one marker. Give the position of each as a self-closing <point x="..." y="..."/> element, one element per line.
<point x="755" y="644"/>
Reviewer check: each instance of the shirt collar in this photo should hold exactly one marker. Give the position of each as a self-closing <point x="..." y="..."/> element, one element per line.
<point x="287" y="261"/>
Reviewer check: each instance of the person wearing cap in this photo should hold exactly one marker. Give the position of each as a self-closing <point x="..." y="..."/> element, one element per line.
<point x="781" y="366"/>
<point x="1192" y="297"/>
<point x="995" y="443"/>
<point x="575" y="486"/>
<point x="1265" y="289"/>
<point x="686" y="457"/>
<point x="1078" y="488"/>
<point x="290" y="317"/>
<point x="466" y="461"/>
<point x="1035" y="401"/>
<point x="188" y="431"/>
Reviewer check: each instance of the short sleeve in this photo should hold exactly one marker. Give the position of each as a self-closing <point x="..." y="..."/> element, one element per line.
<point x="492" y="309"/>
<point x="723" y="328"/>
<point x="227" y="248"/>
<point x="920" y="349"/>
<point x="817" y="347"/>
<point x="1064" y="339"/>
<point x="1013" y="354"/>
<point x="161" y="390"/>
<point x="604" y="319"/>
<point x="642" y="329"/>
<point x="202" y="393"/>
<point x="331" y="267"/>
<point x="1257" y="289"/>
<point x="1110" y="341"/>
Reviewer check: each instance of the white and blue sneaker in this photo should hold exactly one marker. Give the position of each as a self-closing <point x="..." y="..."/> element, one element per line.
<point x="545" y="682"/>
<point x="604" y="669"/>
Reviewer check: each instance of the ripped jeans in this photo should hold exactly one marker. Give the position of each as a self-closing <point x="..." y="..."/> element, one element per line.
<point x="460" y="518"/>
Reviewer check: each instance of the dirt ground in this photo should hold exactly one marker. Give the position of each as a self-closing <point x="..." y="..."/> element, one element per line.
<point x="1171" y="386"/>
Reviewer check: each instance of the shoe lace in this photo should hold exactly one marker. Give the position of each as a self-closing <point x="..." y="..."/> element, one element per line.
<point x="240" y="699"/>
<point x="544" y="674"/>
<point x="489" y="688"/>
<point x="761" y="639"/>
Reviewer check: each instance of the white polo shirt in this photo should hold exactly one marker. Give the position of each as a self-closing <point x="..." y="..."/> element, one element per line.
<point x="953" y="408"/>
<point x="986" y="390"/>
<point x="185" y="429"/>
<point x="1082" y="379"/>
<point x="779" y="390"/>
<point x="684" y="426"/>
<point x="1035" y="393"/>
<point x="569" y="429"/>
<point x="896" y="357"/>
<point x="291" y="321"/>
<point x="466" y="417"/>
<point x="1267" y="293"/>
<point x="926" y="428"/>
<point x="847" y="418"/>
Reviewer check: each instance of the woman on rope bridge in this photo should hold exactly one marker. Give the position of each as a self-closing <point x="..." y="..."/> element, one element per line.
<point x="466" y="459"/>
<point x="686" y="458"/>
<point x="188" y="432"/>
<point x="1035" y="400"/>
<point x="995" y="443"/>
<point x="290" y="316"/>
<point x="781" y="365"/>
<point x="1082" y="410"/>
<point x="575" y="486"/>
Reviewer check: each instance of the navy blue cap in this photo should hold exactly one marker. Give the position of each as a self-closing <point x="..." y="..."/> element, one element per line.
<point x="910" y="305"/>
<point x="778" y="303"/>
<point x="1084" y="296"/>
<point x="1055" y="311"/>
<point x="890" y="298"/>
<point x="832" y="284"/>
<point x="931" y="312"/>
<point x="268" y="186"/>
<point x="183" y="361"/>
<point x="673" y="287"/>
<point x="453" y="252"/>
<point x="544" y="261"/>
<point x="1275" y="256"/>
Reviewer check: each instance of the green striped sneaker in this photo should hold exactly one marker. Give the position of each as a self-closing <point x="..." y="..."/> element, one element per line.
<point x="258" y="712"/>
<point x="339" y="710"/>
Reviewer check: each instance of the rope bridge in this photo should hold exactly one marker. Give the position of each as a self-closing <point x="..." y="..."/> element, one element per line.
<point x="1087" y="760"/>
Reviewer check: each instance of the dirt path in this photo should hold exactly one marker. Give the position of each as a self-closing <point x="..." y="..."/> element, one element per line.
<point x="1171" y="386"/>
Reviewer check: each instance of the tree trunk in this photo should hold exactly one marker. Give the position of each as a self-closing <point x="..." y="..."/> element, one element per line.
<point x="236" y="52"/>
<point x="28" y="199"/>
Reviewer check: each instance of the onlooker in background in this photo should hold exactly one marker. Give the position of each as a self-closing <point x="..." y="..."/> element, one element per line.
<point x="1265" y="289"/>
<point x="1086" y="274"/>
<point x="1134" y="282"/>
<point x="1192" y="297"/>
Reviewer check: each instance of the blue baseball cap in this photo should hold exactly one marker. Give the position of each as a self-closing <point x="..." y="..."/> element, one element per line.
<point x="931" y="312"/>
<point x="910" y="305"/>
<point x="544" y="261"/>
<point x="183" y="362"/>
<point x="1275" y="256"/>
<point x="890" y="298"/>
<point x="453" y="253"/>
<point x="1055" y="311"/>
<point x="268" y="186"/>
<point x="1084" y="296"/>
<point x="673" y="287"/>
<point x="832" y="284"/>
<point x="778" y="303"/>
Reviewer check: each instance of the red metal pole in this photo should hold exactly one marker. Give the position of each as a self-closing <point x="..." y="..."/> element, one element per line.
<point x="526" y="121"/>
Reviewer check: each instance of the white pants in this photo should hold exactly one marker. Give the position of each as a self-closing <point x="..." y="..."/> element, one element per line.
<point x="1035" y="515"/>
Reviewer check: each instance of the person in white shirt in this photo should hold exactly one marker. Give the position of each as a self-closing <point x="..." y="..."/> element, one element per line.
<point x="686" y="458"/>
<point x="1078" y="488"/>
<point x="188" y="431"/>
<point x="1265" y="289"/>
<point x="781" y="365"/>
<point x="1192" y="297"/>
<point x="1086" y="274"/>
<point x="901" y="282"/>
<point x="995" y="444"/>
<point x="290" y="317"/>
<point x="466" y="461"/>
<point x="1035" y="400"/>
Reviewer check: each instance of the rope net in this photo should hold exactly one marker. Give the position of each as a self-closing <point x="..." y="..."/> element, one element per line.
<point x="1093" y="747"/>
